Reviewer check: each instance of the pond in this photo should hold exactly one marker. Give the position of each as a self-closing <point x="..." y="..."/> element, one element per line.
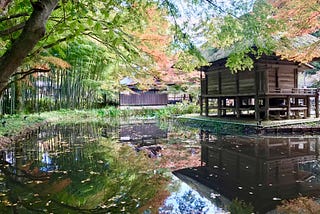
<point x="125" y="167"/>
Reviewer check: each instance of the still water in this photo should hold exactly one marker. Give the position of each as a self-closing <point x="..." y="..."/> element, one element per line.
<point x="126" y="168"/>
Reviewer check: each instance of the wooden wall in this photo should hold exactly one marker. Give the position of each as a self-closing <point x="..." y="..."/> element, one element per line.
<point x="231" y="84"/>
<point x="271" y="77"/>
<point x="213" y="82"/>
<point x="282" y="77"/>
<point x="228" y="83"/>
<point x="143" y="99"/>
<point x="246" y="82"/>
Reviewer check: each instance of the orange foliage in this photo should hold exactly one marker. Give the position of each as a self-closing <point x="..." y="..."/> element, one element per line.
<point x="177" y="156"/>
<point x="155" y="38"/>
<point x="160" y="196"/>
<point x="300" y="17"/>
<point x="299" y="205"/>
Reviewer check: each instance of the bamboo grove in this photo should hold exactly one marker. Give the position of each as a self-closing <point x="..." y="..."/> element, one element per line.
<point x="43" y="92"/>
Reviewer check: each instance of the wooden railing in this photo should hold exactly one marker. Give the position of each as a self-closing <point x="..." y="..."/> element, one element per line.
<point x="311" y="91"/>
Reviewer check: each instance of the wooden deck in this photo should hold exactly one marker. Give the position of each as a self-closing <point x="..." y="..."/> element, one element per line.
<point x="233" y="125"/>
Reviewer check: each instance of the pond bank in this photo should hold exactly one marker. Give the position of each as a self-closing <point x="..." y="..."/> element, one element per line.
<point x="247" y="126"/>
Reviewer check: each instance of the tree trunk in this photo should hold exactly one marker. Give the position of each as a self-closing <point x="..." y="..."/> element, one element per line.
<point x="33" y="31"/>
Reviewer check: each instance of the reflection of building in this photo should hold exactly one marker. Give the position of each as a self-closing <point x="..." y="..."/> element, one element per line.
<point x="261" y="171"/>
<point x="142" y="133"/>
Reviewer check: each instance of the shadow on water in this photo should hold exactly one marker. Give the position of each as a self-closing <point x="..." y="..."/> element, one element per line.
<point x="261" y="171"/>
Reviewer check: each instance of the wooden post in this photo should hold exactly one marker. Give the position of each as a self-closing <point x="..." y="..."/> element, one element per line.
<point x="256" y="108"/>
<point x="237" y="105"/>
<point x="266" y="107"/>
<point x="206" y="103"/>
<point x="288" y="107"/>
<point x="308" y="106"/>
<point x="224" y="104"/>
<point x="219" y="106"/>
<point x="201" y="105"/>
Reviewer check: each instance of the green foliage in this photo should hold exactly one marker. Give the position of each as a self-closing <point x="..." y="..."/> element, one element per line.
<point x="239" y="207"/>
<point x="247" y="37"/>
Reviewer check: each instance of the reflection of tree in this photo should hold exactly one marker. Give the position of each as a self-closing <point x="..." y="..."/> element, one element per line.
<point x="187" y="203"/>
<point x="94" y="177"/>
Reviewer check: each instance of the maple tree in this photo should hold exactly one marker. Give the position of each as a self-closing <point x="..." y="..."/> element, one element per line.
<point x="270" y="27"/>
<point x="29" y="29"/>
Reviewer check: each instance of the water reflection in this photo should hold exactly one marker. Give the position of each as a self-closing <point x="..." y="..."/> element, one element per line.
<point x="259" y="170"/>
<point x="70" y="169"/>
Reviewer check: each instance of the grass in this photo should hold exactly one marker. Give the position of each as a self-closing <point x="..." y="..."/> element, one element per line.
<point x="14" y="124"/>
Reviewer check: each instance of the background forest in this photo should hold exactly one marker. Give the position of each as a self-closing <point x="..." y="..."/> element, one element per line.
<point x="73" y="54"/>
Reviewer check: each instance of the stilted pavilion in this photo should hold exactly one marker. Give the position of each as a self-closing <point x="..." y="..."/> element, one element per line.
<point x="269" y="91"/>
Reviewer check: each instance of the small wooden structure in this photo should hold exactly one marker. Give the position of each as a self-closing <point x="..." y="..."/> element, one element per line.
<point x="269" y="91"/>
<point x="140" y="98"/>
<point x="136" y="97"/>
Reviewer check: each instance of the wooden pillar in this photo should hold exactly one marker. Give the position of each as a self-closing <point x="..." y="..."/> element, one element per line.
<point x="317" y="103"/>
<point x="308" y="106"/>
<point x="288" y="107"/>
<point x="224" y="104"/>
<point x="266" y="107"/>
<point x="201" y="105"/>
<point x="219" y="107"/>
<point x="206" y="103"/>
<point x="256" y="108"/>
<point x="237" y="105"/>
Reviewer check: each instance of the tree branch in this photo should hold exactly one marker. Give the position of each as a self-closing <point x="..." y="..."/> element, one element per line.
<point x="33" y="31"/>
<point x="5" y="18"/>
<point x="29" y="72"/>
<point x="13" y="29"/>
<point x="221" y="10"/>
<point x="59" y="41"/>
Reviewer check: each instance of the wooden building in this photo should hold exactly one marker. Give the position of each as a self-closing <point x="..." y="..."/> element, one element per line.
<point x="269" y="91"/>
<point x="136" y="97"/>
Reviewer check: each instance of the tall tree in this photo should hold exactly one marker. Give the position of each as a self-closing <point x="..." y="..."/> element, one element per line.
<point x="28" y="29"/>
<point x="32" y="31"/>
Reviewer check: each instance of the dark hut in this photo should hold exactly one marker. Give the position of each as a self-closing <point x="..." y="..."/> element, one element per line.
<point x="270" y="90"/>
